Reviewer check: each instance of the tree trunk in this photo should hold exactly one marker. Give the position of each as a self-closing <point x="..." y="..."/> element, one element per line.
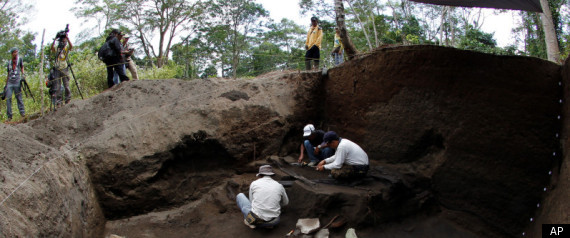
<point x="349" y="48"/>
<point x="42" y="82"/>
<point x="442" y="26"/>
<point x="451" y="22"/>
<point x="375" y="31"/>
<point x="552" y="49"/>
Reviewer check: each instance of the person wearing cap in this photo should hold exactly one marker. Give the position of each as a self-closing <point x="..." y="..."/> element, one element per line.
<point x="312" y="140"/>
<point x="61" y="71"/>
<point x="131" y="66"/>
<point x="349" y="161"/>
<point x="266" y="196"/>
<point x="313" y="44"/>
<point x="116" y="63"/>
<point x="15" y="68"/>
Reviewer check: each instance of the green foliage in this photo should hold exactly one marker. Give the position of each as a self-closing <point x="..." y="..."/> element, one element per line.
<point x="90" y="72"/>
<point x="475" y="39"/>
<point x="168" y="71"/>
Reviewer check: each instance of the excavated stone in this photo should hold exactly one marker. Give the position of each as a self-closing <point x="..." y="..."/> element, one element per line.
<point x="308" y="225"/>
<point x="322" y="233"/>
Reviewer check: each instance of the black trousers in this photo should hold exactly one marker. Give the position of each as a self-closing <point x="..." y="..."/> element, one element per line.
<point x="111" y="69"/>
<point x="312" y="55"/>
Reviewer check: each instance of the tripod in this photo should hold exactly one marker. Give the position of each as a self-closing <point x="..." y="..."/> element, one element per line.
<point x="74" y="79"/>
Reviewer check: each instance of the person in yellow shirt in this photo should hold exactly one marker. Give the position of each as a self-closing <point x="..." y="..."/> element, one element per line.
<point x="338" y="48"/>
<point x="313" y="44"/>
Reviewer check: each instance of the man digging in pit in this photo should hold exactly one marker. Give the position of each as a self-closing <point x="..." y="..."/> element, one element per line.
<point x="349" y="161"/>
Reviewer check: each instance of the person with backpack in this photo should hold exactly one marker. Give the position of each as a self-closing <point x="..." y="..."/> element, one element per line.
<point x="61" y="70"/>
<point x="55" y="89"/>
<point x="112" y="55"/>
<point x="15" y="68"/>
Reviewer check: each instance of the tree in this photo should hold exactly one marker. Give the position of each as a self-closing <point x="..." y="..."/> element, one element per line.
<point x="241" y="18"/>
<point x="552" y="50"/>
<point x="282" y="45"/>
<point x="475" y="39"/>
<point x="532" y="33"/>
<point x="321" y="8"/>
<point x="285" y="34"/>
<point x="361" y="25"/>
<point x="12" y="16"/>
<point x="105" y="12"/>
<point x="165" y="17"/>
<point x="349" y="47"/>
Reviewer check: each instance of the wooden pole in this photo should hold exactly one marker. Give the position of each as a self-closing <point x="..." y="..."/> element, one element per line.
<point x="42" y="82"/>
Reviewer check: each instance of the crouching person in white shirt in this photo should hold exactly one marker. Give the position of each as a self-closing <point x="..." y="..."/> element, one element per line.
<point x="266" y="196"/>
<point x="349" y="161"/>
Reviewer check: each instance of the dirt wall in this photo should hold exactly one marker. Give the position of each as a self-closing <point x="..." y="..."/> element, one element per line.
<point x="555" y="207"/>
<point x="45" y="191"/>
<point x="481" y="127"/>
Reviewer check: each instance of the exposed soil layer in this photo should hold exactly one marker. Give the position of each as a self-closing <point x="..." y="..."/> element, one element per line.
<point x="481" y="127"/>
<point x="461" y="144"/>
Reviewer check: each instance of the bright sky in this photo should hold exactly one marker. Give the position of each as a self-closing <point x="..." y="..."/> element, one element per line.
<point x="55" y="14"/>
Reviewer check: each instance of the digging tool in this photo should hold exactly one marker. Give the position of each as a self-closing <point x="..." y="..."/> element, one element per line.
<point x="332" y="220"/>
<point x="335" y="223"/>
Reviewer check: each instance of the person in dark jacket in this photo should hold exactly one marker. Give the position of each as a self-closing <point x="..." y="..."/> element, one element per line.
<point x="115" y="63"/>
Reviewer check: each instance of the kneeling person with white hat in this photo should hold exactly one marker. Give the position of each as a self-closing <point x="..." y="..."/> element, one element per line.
<point x="266" y="198"/>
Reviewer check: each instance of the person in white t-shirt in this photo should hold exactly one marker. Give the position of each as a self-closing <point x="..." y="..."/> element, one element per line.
<point x="266" y="196"/>
<point x="349" y="161"/>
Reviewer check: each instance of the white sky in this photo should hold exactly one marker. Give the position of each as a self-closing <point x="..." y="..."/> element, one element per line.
<point x="53" y="15"/>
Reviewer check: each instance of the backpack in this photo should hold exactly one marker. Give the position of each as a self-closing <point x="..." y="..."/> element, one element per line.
<point x="105" y="52"/>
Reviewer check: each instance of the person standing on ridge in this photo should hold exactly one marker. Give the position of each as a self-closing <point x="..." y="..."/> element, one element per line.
<point x="15" y="68"/>
<point x="117" y="62"/>
<point x="313" y="44"/>
<point x="61" y="71"/>
<point x="131" y="66"/>
<point x="338" y="48"/>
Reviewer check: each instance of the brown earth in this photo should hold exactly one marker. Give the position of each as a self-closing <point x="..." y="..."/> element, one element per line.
<point x="461" y="145"/>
